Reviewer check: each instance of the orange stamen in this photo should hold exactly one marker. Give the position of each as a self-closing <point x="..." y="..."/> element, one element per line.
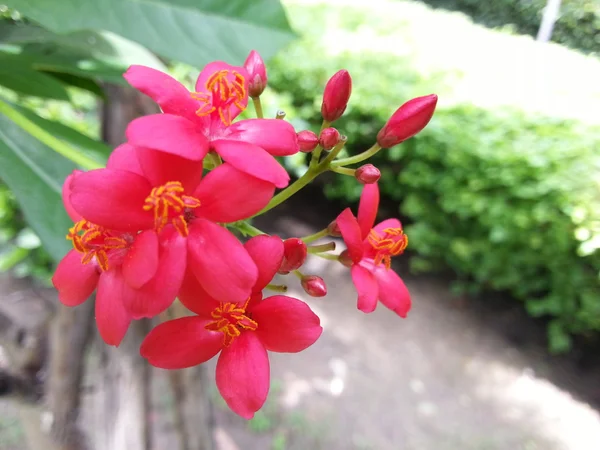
<point x="231" y="319"/>
<point x="392" y="243"/>
<point x="169" y="204"/>
<point x="94" y="242"/>
<point x="224" y="93"/>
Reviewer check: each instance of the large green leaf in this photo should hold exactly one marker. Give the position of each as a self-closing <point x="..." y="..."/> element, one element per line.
<point x="192" y="31"/>
<point x="20" y="77"/>
<point x="35" y="174"/>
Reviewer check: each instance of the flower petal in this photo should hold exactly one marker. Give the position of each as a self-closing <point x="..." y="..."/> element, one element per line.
<point x="267" y="253"/>
<point x="277" y="137"/>
<point x="286" y="324"/>
<point x="243" y="375"/>
<point x="170" y="134"/>
<point x="74" y="281"/>
<point x="112" y="198"/>
<point x="66" y="196"/>
<point x="111" y="318"/>
<point x="388" y="223"/>
<point x="220" y="262"/>
<point x="221" y="202"/>
<point x="160" y="168"/>
<point x="367" y="208"/>
<point x="170" y="94"/>
<point x="393" y="293"/>
<point x="124" y="157"/>
<point x="351" y="234"/>
<point x="195" y="298"/>
<point x="141" y="261"/>
<point x="217" y="66"/>
<point x="159" y="293"/>
<point x="181" y="343"/>
<point x="253" y="160"/>
<point x="366" y="286"/>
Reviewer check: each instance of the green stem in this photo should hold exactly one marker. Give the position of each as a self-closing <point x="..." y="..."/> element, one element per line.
<point x="357" y="158"/>
<point x="343" y="170"/>
<point x="277" y="287"/>
<point x="42" y="135"/>
<point x="258" y="107"/>
<point x="247" y="229"/>
<point x="313" y="237"/>
<point x="316" y="154"/>
<point x="328" y="256"/>
<point x="322" y="248"/>
<point x="335" y="151"/>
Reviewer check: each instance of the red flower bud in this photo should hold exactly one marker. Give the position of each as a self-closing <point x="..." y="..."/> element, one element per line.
<point x="367" y="174"/>
<point x="333" y="229"/>
<point x="345" y="259"/>
<point x="328" y="138"/>
<point x="314" y="286"/>
<point x="336" y="96"/>
<point x="258" y="74"/>
<point x="407" y="121"/>
<point x="307" y="141"/>
<point x="294" y="255"/>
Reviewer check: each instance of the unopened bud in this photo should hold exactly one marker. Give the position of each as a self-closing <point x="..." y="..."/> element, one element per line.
<point x="307" y="141"/>
<point x="314" y="286"/>
<point x="407" y="121"/>
<point x="328" y="138"/>
<point x="336" y="96"/>
<point x="258" y="74"/>
<point x="345" y="259"/>
<point x="294" y="255"/>
<point x="333" y="229"/>
<point x="367" y="174"/>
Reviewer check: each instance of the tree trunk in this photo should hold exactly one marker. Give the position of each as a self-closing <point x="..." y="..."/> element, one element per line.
<point x="548" y="20"/>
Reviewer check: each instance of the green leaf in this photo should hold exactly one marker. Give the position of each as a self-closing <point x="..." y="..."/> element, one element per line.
<point x="79" y="82"/>
<point x="23" y="79"/>
<point x="35" y="175"/>
<point x="95" y="150"/>
<point x="192" y="31"/>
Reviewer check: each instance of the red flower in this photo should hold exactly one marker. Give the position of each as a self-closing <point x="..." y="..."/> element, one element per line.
<point x="241" y="332"/>
<point x="137" y="275"/>
<point x="407" y="121"/>
<point x="370" y="250"/>
<point x="142" y="189"/>
<point x="257" y="71"/>
<point x="336" y="96"/>
<point x="198" y="121"/>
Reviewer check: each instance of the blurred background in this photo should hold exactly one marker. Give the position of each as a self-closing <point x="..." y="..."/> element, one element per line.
<point x="500" y="197"/>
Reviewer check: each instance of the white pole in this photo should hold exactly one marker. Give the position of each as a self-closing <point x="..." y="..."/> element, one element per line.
<point x="548" y="19"/>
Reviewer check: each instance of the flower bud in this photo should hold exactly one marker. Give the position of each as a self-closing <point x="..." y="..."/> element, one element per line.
<point x="407" y="121"/>
<point x="258" y="74"/>
<point x="307" y="141"/>
<point x="345" y="259"/>
<point x="367" y="174"/>
<point x="314" y="286"/>
<point x="336" y="96"/>
<point x="294" y="255"/>
<point x="328" y="138"/>
<point x="333" y="229"/>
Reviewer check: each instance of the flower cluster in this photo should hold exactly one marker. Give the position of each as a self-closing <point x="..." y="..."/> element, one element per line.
<point x="157" y="224"/>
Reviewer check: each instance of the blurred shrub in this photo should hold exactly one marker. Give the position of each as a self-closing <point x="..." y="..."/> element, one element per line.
<point x="507" y="199"/>
<point x="578" y="24"/>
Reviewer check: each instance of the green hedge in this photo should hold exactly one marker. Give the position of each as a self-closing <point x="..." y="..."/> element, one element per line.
<point x="504" y="197"/>
<point x="578" y="25"/>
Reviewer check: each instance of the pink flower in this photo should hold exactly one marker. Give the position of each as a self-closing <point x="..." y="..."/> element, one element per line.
<point x="142" y="189"/>
<point x="336" y="96"/>
<point x="242" y="332"/>
<point x="194" y="123"/>
<point x="370" y="250"/>
<point x="407" y="121"/>
<point x="136" y="275"/>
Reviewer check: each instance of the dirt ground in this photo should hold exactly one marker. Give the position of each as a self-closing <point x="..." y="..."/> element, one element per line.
<point x="457" y="374"/>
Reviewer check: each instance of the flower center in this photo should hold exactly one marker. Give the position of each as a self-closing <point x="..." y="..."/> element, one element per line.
<point x="169" y="204"/>
<point x="231" y="319"/>
<point x="225" y="89"/>
<point x="392" y="243"/>
<point x="94" y="242"/>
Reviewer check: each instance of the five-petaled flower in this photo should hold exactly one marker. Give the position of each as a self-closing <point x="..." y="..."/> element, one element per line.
<point x="370" y="250"/>
<point x="241" y="331"/>
<point x="195" y="122"/>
